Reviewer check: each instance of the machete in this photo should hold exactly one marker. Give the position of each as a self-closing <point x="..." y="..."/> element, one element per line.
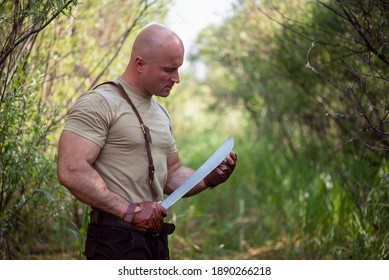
<point x="200" y="173"/>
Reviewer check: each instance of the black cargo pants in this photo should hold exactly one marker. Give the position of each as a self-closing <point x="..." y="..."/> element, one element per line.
<point x="109" y="237"/>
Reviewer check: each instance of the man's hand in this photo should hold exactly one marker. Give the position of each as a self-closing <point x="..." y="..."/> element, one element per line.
<point x="222" y="172"/>
<point x="149" y="216"/>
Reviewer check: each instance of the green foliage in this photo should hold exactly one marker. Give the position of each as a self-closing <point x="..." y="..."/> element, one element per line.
<point x="313" y="164"/>
<point x="30" y="198"/>
<point x="323" y="205"/>
<point x="48" y="55"/>
<point x="301" y="89"/>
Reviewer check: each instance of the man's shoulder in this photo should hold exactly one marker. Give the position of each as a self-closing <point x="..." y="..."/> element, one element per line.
<point x="107" y="91"/>
<point x="102" y="100"/>
<point x="105" y="95"/>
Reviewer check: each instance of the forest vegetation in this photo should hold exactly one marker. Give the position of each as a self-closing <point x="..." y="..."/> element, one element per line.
<point x="302" y="86"/>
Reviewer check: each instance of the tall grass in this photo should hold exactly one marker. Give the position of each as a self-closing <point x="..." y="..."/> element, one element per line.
<point x="326" y="205"/>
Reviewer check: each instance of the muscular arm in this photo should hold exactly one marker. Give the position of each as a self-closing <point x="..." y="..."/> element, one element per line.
<point x="75" y="158"/>
<point x="177" y="174"/>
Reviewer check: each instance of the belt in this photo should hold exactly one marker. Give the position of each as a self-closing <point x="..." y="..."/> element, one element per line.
<point x="98" y="217"/>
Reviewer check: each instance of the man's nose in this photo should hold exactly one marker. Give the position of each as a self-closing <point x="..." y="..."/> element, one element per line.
<point x="176" y="77"/>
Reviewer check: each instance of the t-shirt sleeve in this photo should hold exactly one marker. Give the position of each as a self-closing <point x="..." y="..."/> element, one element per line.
<point x="90" y="118"/>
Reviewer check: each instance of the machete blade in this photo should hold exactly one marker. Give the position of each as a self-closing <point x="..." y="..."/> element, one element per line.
<point x="200" y="173"/>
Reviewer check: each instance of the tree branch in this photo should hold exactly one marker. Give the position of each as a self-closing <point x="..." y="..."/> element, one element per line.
<point x="8" y="51"/>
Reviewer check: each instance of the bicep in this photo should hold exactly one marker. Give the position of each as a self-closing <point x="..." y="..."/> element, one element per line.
<point x="74" y="152"/>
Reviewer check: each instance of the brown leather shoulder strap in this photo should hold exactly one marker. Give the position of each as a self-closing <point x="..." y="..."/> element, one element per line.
<point x="146" y="134"/>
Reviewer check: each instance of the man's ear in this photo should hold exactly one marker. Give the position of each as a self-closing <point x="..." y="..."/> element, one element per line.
<point x="140" y="63"/>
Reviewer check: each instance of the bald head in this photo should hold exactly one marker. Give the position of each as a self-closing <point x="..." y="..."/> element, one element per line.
<point x="156" y="56"/>
<point x="150" y="41"/>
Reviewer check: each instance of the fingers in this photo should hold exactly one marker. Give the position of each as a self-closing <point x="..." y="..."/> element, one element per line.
<point x="228" y="165"/>
<point x="222" y="172"/>
<point x="232" y="158"/>
<point x="223" y="169"/>
<point x="151" y="216"/>
<point x="163" y="210"/>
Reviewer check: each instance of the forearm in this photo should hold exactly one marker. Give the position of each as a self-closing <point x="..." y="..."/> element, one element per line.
<point x="178" y="173"/>
<point x="178" y="176"/>
<point x="75" y="158"/>
<point x="88" y="187"/>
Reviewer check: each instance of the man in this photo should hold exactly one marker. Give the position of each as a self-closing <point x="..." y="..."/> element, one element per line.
<point x="103" y="161"/>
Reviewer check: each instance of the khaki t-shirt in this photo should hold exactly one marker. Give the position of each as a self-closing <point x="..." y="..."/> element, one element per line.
<point x="104" y="117"/>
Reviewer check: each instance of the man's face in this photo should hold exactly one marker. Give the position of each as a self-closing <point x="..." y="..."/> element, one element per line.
<point x="161" y="74"/>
